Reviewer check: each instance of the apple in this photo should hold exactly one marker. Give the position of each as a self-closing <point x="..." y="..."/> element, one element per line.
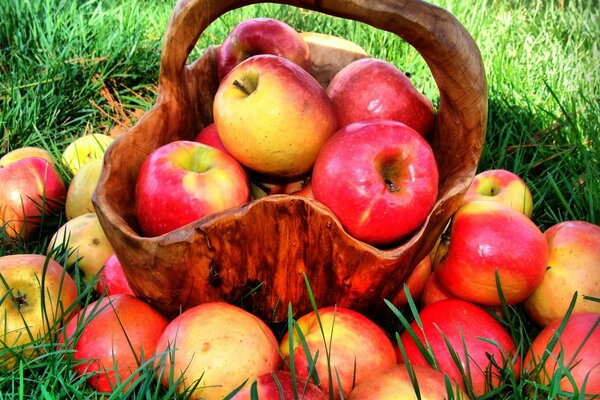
<point x="273" y="116"/>
<point x="434" y="291"/>
<point x="256" y="36"/>
<point x="278" y="385"/>
<point x="489" y="238"/>
<point x="415" y="283"/>
<point x="35" y="295"/>
<point x="577" y="350"/>
<point x="373" y="89"/>
<point x="261" y="185"/>
<point x="84" y="149"/>
<point x="394" y="382"/>
<point x="216" y="346"/>
<point x="297" y="185"/>
<point x="112" y="278"/>
<point x="573" y="266"/>
<point x="209" y="136"/>
<point x="356" y="345"/>
<point x="24" y="152"/>
<point x="502" y="186"/>
<point x="31" y="188"/>
<point x="111" y="339"/>
<point x="475" y="335"/>
<point x="183" y="181"/>
<point x="83" y="184"/>
<point x="85" y="243"/>
<point x="380" y="179"/>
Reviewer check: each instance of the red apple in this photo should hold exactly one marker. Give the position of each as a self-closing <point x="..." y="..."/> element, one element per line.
<point x="273" y="116"/>
<point x="502" y="186"/>
<point x="261" y="185"/>
<point x="24" y="152"/>
<point x="298" y="186"/>
<point x="261" y="36"/>
<point x="573" y="266"/>
<point x="30" y="187"/>
<point x="278" y="385"/>
<point x="356" y="344"/>
<point x="184" y="181"/>
<point x="112" y="278"/>
<point x="489" y="238"/>
<point x="209" y="136"/>
<point x="373" y="89"/>
<point x="415" y="283"/>
<point x="434" y="291"/>
<point x="468" y="329"/>
<point x="578" y="349"/>
<point x="379" y="178"/>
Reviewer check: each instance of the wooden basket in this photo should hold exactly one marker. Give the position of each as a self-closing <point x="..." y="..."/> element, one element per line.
<point x="277" y="240"/>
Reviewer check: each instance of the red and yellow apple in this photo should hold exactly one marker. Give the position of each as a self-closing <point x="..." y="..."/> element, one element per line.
<point x="434" y="291"/>
<point x="278" y="385"/>
<point x="83" y="184"/>
<point x="112" y="279"/>
<point x="24" y="152"/>
<point x="415" y="284"/>
<point x="209" y="136"/>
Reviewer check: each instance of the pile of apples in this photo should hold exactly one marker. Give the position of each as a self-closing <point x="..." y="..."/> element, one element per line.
<point x="277" y="130"/>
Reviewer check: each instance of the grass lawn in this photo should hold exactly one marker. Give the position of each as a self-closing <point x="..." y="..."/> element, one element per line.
<point x="71" y="68"/>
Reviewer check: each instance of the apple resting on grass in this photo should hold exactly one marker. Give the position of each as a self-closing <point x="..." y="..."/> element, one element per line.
<point x="379" y="178"/>
<point x="112" y="337"/>
<point x="184" y="181"/>
<point x="84" y="149"/>
<point x="489" y="238"/>
<point x="83" y="184"/>
<point x="24" y="152"/>
<point x="112" y="278"/>
<point x="30" y="188"/>
<point x="273" y="116"/>
<point x="502" y="186"/>
<point x="357" y="348"/>
<point x="415" y="284"/>
<point x="372" y="89"/>
<point x="573" y="266"/>
<point x="261" y="36"/>
<point x="28" y="310"/>
<point x="268" y="388"/>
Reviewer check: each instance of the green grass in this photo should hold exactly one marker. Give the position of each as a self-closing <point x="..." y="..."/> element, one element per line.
<point x="541" y="59"/>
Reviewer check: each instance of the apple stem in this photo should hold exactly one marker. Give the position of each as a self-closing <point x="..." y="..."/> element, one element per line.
<point x="240" y="86"/>
<point x="391" y="186"/>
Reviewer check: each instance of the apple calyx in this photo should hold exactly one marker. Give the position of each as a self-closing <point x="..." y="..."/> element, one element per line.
<point x="21" y="300"/>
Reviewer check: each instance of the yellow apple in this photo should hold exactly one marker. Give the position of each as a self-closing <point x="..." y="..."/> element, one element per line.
<point x="24" y="152"/>
<point x="84" y="149"/>
<point x="79" y="195"/>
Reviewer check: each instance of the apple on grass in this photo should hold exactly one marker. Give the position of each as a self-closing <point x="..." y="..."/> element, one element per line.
<point x="573" y="266"/>
<point x="83" y="184"/>
<point x="112" y="278"/>
<point x="373" y="89"/>
<point x="36" y="294"/>
<point x="502" y="186"/>
<point x="24" y="152"/>
<point x="273" y="116"/>
<point x="278" y="385"/>
<point x="356" y="347"/>
<point x="184" y="181"/>
<point x="379" y="178"/>
<point x="84" y="149"/>
<point x="211" y="349"/>
<point x="256" y="36"/>
<point x="111" y="339"/>
<point x="434" y="291"/>
<point x="415" y="283"/>
<point x="31" y="188"/>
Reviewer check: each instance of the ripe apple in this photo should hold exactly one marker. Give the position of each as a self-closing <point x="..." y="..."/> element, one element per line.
<point x="278" y="385"/>
<point x="209" y="136"/>
<point x="31" y="188"/>
<point x="372" y="89"/>
<point x="35" y="295"/>
<point x="415" y="283"/>
<point x="434" y="291"/>
<point x="394" y="383"/>
<point x="356" y="344"/>
<point x="379" y="178"/>
<point x="83" y="184"/>
<point x="219" y="345"/>
<point x="488" y="238"/>
<point x="471" y="332"/>
<point x="184" y="181"/>
<point x="578" y="349"/>
<point x="261" y="36"/>
<point x="111" y="338"/>
<point x="502" y="186"/>
<point x="112" y="278"/>
<point x="84" y="149"/>
<point x="573" y="266"/>
<point x="24" y="152"/>
<point x="273" y="116"/>
<point x="85" y="242"/>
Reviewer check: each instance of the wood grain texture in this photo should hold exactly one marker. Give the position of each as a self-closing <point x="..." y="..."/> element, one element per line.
<point x="273" y="242"/>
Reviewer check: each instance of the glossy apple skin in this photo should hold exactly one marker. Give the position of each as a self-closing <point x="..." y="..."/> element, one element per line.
<point x="487" y="237"/>
<point x="573" y="265"/>
<point x="434" y="291"/>
<point x="583" y="363"/>
<point x="209" y="136"/>
<point x="379" y="178"/>
<point x="373" y="89"/>
<point x="219" y="343"/>
<point x="393" y="383"/>
<point x="268" y="389"/>
<point x="355" y="339"/>
<point x="184" y="181"/>
<point x="461" y="321"/>
<point x="280" y="127"/>
<point x="256" y="36"/>
<point x="22" y="275"/>
<point x="415" y="283"/>
<point x="119" y="332"/>
<point x="26" y="185"/>
<point x="112" y="278"/>
<point x="502" y="186"/>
